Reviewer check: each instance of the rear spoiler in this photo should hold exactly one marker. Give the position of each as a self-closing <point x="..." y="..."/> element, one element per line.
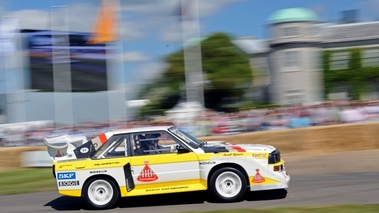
<point x="62" y="147"/>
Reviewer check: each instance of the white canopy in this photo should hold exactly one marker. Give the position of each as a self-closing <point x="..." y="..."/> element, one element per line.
<point x="185" y="112"/>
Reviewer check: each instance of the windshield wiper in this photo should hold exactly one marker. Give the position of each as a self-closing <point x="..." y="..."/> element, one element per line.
<point x="202" y="144"/>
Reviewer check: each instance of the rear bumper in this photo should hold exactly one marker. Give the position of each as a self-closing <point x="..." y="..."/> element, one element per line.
<point x="71" y="193"/>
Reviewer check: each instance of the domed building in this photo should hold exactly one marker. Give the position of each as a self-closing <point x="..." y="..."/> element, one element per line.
<point x="305" y="61"/>
<point x="294" y="46"/>
<point x="293" y="15"/>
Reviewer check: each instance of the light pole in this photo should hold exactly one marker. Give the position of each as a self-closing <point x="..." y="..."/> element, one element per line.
<point x="192" y="52"/>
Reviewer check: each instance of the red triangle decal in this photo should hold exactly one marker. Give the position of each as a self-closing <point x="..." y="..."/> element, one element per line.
<point x="147" y="175"/>
<point x="258" y="177"/>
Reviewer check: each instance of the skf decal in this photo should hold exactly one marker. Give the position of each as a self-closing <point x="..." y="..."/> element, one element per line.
<point x="147" y="174"/>
<point x="66" y="175"/>
<point x="258" y="178"/>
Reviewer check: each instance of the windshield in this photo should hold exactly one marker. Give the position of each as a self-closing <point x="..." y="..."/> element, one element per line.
<point x="189" y="139"/>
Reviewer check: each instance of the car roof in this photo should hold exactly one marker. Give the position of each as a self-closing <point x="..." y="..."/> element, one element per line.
<point x="138" y="129"/>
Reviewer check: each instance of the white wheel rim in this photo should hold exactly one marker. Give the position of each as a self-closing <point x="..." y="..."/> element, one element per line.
<point x="228" y="184"/>
<point x="100" y="192"/>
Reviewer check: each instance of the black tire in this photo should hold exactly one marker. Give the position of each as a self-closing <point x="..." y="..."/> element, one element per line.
<point x="100" y="193"/>
<point x="228" y="184"/>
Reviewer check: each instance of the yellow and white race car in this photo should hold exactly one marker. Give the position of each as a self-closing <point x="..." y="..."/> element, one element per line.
<point x="158" y="160"/>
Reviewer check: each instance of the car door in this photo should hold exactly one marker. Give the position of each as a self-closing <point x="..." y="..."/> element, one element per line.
<point x="113" y="159"/>
<point x="158" y="166"/>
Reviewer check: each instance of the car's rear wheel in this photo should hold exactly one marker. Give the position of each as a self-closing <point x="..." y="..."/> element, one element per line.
<point x="101" y="193"/>
<point x="228" y="184"/>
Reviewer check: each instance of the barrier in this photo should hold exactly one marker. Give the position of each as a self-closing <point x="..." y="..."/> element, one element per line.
<point x="11" y="157"/>
<point x="321" y="139"/>
<point x="36" y="159"/>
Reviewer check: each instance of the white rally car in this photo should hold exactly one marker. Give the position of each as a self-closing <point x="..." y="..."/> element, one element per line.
<point x="158" y="160"/>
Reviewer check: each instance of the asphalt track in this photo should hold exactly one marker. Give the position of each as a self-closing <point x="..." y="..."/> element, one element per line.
<point x="327" y="179"/>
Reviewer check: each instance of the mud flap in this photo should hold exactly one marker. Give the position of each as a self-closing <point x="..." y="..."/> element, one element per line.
<point x="128" y="177"/>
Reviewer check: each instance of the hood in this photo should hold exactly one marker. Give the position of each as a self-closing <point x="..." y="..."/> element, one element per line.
<point x="227" y="147"/>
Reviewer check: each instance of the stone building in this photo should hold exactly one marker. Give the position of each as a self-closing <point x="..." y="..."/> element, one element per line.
<point x="290" y="62"/>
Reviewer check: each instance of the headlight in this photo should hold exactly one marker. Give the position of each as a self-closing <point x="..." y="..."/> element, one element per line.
<point x="274" y="157"/>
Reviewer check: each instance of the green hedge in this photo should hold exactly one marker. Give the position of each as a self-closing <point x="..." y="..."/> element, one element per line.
<point x="356" y="76"/>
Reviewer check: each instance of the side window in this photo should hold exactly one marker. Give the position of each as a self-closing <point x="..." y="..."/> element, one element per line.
<point x="119" y="149"/>
<point x="114" y="147"/>
<point x="148" y="143"/>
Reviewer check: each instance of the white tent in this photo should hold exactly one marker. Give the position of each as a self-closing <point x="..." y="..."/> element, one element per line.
<point x="185" y="112"/>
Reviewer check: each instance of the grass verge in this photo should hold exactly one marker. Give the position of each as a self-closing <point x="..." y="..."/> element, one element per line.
<point x="26" y="181"/>
<point x="317" y="209"/>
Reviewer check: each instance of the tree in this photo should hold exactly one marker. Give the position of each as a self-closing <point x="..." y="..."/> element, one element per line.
<point x="226" y="69"/>
<point x="357" y="76"/>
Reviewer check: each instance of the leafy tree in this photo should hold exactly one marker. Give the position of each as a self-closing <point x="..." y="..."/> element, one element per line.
<point x="226" y="69"/>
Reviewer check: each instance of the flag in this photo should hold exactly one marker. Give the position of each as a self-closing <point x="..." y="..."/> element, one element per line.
<point x="105" y="26"/>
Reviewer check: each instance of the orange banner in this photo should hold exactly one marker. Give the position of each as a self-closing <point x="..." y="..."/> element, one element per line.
<point x="105" y="27"/>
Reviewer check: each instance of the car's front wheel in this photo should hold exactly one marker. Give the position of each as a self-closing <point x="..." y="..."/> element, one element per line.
<point x="228" y="184"/>
<point x="100" y="193"/>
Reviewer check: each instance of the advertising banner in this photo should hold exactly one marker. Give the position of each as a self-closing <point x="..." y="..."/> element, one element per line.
<point x="87" y="62"/>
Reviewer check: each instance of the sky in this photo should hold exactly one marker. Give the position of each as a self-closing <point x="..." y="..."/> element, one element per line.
<point x="149" y="29"/>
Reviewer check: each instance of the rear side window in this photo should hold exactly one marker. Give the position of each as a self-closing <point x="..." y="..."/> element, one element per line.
<point x="116" y="146"/>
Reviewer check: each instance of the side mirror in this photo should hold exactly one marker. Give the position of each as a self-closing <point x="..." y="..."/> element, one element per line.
<point x="182" y="149"/>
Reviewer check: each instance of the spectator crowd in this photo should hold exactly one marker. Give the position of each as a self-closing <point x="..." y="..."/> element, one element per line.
<point x="211" y="122"/>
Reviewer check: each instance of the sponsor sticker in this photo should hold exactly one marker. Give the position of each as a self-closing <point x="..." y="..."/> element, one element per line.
<point x="147" y="174"/>
<point x="68" y="165"/>
<point x="259" y="155"/>
<point x="106" y="163"/>
<point x="258" y="178"/>
<point x="167" y="188"/>
<point x="207" y="163"/>
<point x="98" y="171"/>
<point x="233" y="154"/>
<point x="68" y="183"/>
<point x="84" y="150"/>
<point x="66" y="175"/>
